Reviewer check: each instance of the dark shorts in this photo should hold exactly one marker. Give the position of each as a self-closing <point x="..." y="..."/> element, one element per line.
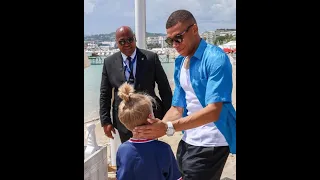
<point x="203" y="163"/>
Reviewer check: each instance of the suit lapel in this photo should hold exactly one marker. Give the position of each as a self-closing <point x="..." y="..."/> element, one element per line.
<point x="139" y="68"/>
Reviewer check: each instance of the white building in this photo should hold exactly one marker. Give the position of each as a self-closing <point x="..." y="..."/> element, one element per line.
<point x="152" y="40"/>
<point x="209" y="36"/>
<point x="106" y="45"/>
<point x="229" y="45"/>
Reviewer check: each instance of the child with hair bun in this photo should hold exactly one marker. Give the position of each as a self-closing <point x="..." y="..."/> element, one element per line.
<point x="142" y="159"/>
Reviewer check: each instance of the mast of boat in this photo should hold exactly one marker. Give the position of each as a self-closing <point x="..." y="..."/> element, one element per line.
<point x="140" y="23"/>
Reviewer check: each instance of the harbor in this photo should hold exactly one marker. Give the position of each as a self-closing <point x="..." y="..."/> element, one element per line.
<point x="166" y="55"/>
<point x="99" y="150"/>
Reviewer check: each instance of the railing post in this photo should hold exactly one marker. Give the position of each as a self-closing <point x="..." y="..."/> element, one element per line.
<point x="114" y="143"/>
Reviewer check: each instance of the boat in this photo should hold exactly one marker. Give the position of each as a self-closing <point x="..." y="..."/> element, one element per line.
<point x="96" y="59"/>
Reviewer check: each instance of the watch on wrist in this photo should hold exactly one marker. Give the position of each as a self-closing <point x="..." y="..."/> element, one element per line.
<point x="170" y="129"/>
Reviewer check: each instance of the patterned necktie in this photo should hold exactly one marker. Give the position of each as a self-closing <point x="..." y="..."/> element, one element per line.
<point x="131" y="77"/>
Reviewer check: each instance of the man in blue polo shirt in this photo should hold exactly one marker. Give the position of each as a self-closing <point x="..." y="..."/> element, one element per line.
<point x="201" y="104"/>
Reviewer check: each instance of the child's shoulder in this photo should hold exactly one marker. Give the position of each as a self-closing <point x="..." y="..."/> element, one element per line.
<point x="155" y="143"/>
<point x="162" y="144"/>
<point x="125" y="146"/>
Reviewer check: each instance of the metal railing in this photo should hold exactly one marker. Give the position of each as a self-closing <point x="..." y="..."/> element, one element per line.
<point x="92" y="120"/>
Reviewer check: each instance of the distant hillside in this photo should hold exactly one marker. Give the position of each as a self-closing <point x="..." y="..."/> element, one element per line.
<point x="155" y="34"/>
<point x="111" y="36"/>
<point x="226" y="30"/>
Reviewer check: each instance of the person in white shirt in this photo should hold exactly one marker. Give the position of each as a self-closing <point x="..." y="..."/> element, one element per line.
<point x="201" y="105"/>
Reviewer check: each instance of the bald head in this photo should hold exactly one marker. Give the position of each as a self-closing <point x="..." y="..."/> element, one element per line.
<point x="123" y="30"/>
<point x="125" y="40"/>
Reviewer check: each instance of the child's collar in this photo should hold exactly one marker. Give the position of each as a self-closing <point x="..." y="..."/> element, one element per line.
<point x="135" y="140"/>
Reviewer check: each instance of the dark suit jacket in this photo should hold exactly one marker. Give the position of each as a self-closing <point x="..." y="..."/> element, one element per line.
<point x="148" y="71"/>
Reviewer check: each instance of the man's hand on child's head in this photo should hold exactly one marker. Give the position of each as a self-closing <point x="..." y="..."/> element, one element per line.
<point x="154" y="130"/>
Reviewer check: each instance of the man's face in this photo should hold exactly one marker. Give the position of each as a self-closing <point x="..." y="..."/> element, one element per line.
<point x="181" y="37"/>
<point x="126" y="42"/>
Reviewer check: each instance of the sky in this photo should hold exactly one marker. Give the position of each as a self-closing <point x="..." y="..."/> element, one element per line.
<point x="105" y="16"/>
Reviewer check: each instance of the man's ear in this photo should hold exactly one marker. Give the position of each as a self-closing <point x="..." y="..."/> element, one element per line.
<point x="150" y="116"/>
<point x="195" y="29"/>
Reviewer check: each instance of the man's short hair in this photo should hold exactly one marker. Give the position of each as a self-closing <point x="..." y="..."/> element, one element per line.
<point x="181" y="16"/>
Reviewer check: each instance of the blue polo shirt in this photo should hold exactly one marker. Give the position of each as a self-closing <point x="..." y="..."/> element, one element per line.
<point x="211" y="80"/>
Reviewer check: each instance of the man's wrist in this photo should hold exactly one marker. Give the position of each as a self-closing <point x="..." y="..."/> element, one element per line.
<point x="166" y="127"/>
<point x="170" y="129"/>
<point x="106" y="124"/>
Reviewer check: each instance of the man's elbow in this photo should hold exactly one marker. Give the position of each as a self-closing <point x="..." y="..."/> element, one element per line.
<point x="177" y="110"/>
<point x="215" y="109"/>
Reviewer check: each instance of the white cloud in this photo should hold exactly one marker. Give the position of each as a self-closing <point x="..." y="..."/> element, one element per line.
<point x="107" y="15"/>
<point x="89" y="6"/>
<point x="208" y="9"/>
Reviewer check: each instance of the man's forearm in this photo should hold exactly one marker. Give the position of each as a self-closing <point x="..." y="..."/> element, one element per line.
<point x="106" y="96"/>
<point x="172" y="114"/>
<point x="206" y="115"/>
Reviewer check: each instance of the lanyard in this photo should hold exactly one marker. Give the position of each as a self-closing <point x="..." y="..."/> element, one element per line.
<point x="126" y="66"/>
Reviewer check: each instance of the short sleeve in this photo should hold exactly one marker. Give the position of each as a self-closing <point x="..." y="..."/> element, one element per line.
<point x="219" y="85"/>
<point x="179" y="96"/>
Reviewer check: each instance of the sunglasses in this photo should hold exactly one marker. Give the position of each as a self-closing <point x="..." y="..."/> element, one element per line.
<point x="178" y="38"/>
<point x="124" y="41"/>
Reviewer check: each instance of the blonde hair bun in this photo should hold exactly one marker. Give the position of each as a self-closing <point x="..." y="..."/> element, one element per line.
<point x="125" y="91"/>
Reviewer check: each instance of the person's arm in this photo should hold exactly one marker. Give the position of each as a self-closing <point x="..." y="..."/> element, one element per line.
<point x="218" y="90"/>
<point x="105" y="97"/>
<point x="125" y="167"/>
<point x="173" y="113"/>
<point x="206" y="115"/>
<point x="163" y="85"/>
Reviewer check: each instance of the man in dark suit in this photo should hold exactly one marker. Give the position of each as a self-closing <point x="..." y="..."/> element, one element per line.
<point x="139" y="67"/>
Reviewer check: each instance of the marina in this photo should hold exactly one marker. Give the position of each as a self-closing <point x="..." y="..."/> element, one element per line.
<point x="166" y="55"/>
<point x="100" y="151"/>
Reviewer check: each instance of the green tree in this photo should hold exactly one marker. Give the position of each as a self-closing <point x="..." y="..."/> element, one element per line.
<point x="219" y="40"/>
<point x="224" y="39"/>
